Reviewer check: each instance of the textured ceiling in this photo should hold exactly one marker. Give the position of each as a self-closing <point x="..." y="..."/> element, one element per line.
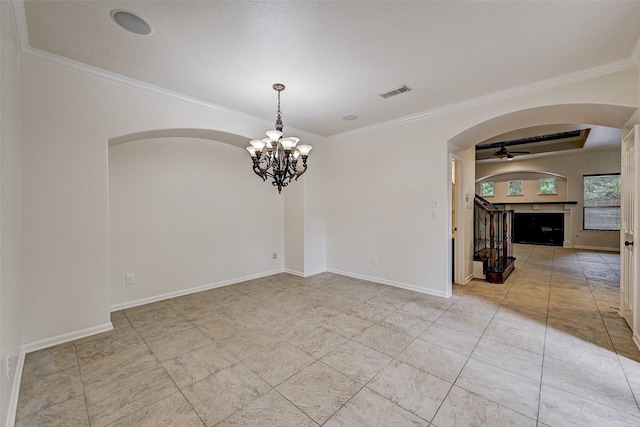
<point x="335" y="57"/>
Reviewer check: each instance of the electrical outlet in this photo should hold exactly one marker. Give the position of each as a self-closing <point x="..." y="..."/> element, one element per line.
<point x="129" y="279"/>
<point x="275" y="255"/>
<point x="374" y="261"/>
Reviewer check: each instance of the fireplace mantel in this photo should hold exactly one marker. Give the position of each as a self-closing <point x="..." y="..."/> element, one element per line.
<point x="568" y="202"/>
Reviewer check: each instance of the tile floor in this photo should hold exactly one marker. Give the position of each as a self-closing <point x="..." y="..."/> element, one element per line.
<point x="544" y="349"/>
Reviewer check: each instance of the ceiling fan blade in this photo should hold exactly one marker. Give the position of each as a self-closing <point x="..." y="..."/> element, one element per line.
<point x="520" y="152"/>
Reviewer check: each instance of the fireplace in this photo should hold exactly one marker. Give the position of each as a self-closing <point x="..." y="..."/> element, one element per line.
<point x="539" y="228"/>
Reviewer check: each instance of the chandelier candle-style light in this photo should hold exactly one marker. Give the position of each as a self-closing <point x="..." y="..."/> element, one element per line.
<point x="278" y="157"/>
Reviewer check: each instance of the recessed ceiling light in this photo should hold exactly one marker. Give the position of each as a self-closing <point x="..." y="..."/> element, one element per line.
<point x="349" y="117"/>
<point x="131" y="22"/>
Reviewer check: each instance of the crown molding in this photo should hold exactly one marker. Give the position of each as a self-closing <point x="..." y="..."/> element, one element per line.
<point x="30" y="52"/>
<point x="22" y="39"/>
<point x="635" y="53"/>
<point x="18" y="17"/>
<point x="19" y="20"/>
<point x="532" y="88"/>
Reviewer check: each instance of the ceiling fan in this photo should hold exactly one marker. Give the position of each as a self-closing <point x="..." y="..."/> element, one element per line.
<point x="503" y="153"/>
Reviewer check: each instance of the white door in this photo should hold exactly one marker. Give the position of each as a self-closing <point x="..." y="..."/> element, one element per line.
<point x="628" y="221"/>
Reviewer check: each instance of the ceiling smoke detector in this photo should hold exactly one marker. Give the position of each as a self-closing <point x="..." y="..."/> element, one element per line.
<point x="394" y="92"/>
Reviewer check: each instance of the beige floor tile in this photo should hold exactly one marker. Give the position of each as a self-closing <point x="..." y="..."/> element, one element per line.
<point x="49" y="361"/>
<point x="509" y="358"/>
<point x="126" y="395"/>
<point x="198" y="364"/>
<point x="319" y="391"/>
<point x="412" y="389"/>
<point x="521" y="319"/>
<point x="279" y="364"/>
<point x="441" y="303"/>
<point x="173" y="410"/>
<point x="223" y="393"/>
<point x="48" y="391"/>
<point x="172" y="346"/>
<point x="151" y="313"/>
<point x="219" y="328"/>
<point x="248" y="342"/>
<point x="318" y="341"/>
<point x="604" y="389"/>
<point x="464" y="408"/>
<point x="119" y="320"/>
<point x="357" y="361"/>
<point x="384" y="340"/>
<point x="270" y="409"/>
<point x="519" y="338"/>
<point x="108" y="343"/>
<point x="582" y="353"/>
<point x="626" y="346"/>
<point x="506" y="388"/>
<point x="463" y="323"/>
<point x="70" y="413"/>
<point x="559" y="408"/>
<point x="370" y="409"/>
<point x="422" y="310"/>
<point x="435" y="360"/>
<point x="556" y="307"/>
<point x="164" y="329"/>
<point x="346" y="325"/>
<point x="451" y="339"/>
<point x="100" y="372"/>
<point x="371" y="312"/>
<point x="476" y="307"/>
<point x="405" y="323"/>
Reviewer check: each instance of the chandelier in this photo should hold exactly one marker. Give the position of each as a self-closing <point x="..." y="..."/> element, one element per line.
<point x="277" y="157"/>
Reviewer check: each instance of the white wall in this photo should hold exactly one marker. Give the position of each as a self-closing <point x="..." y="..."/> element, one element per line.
<point x="315" y="231"/>
<point x="10" y="285"/>
<point x="187" y="214"/>
<point x="382" y="186"/>
<point x="294" y="200"/>
<point x="68" y="118"/>
<point x="382" y="182"/>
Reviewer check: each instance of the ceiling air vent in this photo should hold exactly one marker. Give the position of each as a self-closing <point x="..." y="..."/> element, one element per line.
<point x="394" y="92"/>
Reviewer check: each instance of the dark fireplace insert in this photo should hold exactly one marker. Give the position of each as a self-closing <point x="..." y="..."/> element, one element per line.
<point x="539" y="228"/>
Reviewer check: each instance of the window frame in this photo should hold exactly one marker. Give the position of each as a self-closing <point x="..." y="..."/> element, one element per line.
<point x="585" y="207"/>
<point x="492" y="189"/>
<point x="555" y="188"/>
<point x="520" y="193"/>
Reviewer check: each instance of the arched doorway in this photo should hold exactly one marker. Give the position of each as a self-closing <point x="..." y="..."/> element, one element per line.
<point x="613" y="116"/>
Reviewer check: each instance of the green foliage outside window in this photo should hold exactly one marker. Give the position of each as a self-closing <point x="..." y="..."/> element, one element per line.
<point x="486" y="189"/>
<point x="602" y="202"/>
<point x="515" y="188"/>
<point x="547" y="186"/>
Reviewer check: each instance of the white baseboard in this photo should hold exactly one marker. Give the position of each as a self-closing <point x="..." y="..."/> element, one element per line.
<point x="182" y="292"/>
<point x="12" y="409"/>
<point x="306" y="274"/>
<point x="294" y="272"/>
<point x="596" y="248"/>
<point x="392" y="283"/>
<point x="39" y="345"/>
<point x="71" y="336"/>
<point x="468" y="279"/>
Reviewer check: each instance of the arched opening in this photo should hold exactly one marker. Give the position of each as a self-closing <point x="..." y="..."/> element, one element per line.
<point x="612" y="116"/>
<point x="182" y="215"/>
